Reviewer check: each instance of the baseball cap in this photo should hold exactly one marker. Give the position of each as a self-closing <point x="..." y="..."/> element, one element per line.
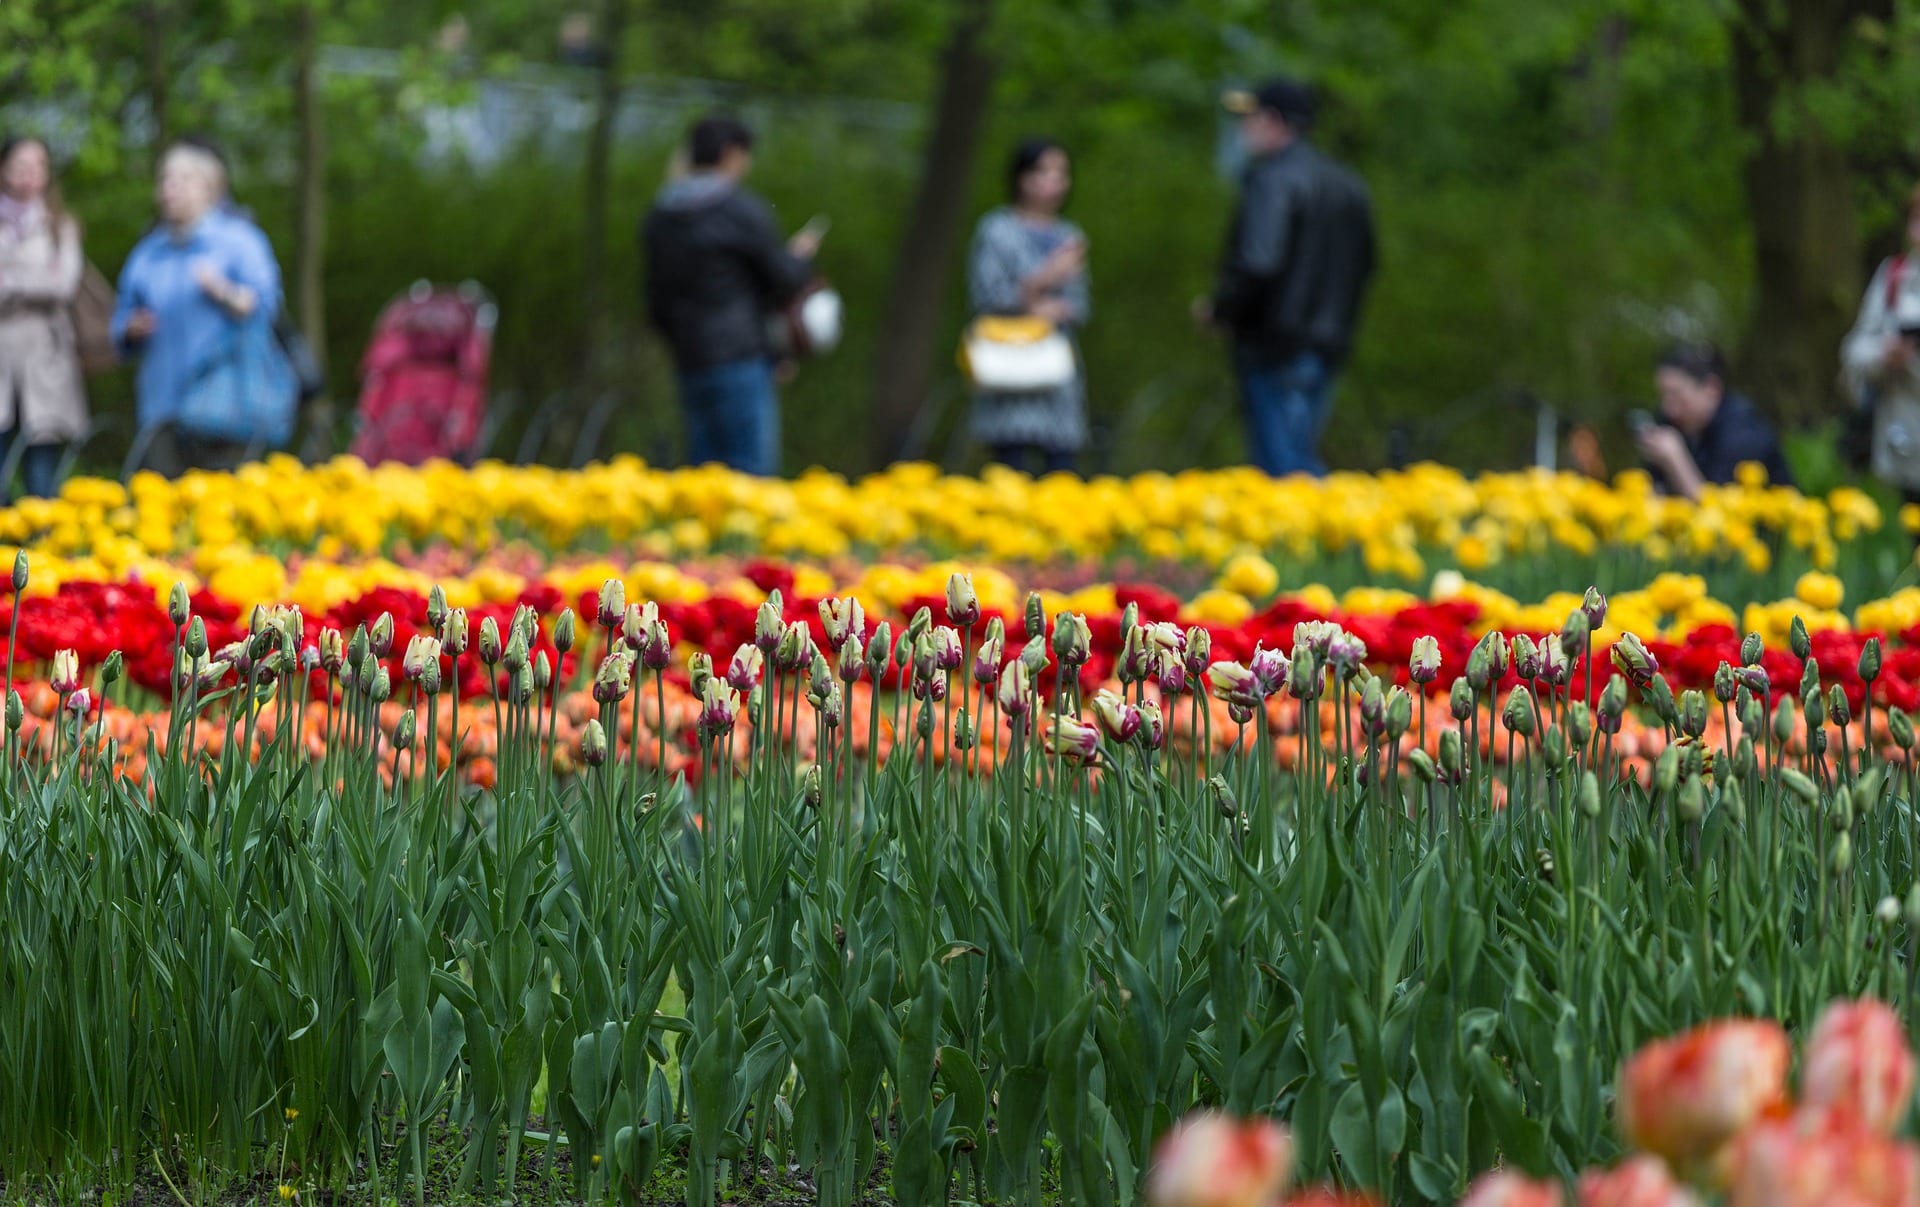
<point x="1290" y="99"/>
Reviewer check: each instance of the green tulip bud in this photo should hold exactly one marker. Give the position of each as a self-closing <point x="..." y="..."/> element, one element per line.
<point x="1838" y="707"/>
<point x="19" y="571"/>
<point x="542" y="674"/>
<point x="1574" y="633"/>
<point x="921" y="622"/>
<point x="179" y="605"/>
<point x="1743" y="757"/>
<point x="813" y="787"/>
<point x="1034" y="616"/>
<point x="1666" y="770"/>
<point x="1613" y="698"/>
<point x="1589" y="794"/>
<point x="1580" y="723"/>
<point x="1887" y="913"/>
<point x="1815" y="710"/>
<point x="1693" y="800"/>
<point x="1797" y="639"/>
<point x="112" y="669"/>
<point x="1460" y="700"/>
<point x="963" y="730"/>
<point x="1724" y="683"/>
<point x="1553" y="748"/>
<point x="490" y="649"/>
<point x="563" y="634"/>
<point x="1424" y="768"/>
<point x="1866" y="789"/>
<point x="1228" y="805"/>
<point x="1693" y="712"/>
<point x="593" y="743"/>
<point x="1870" y="660"/>
<point x="1452" y="754"/>
<point x="382" y="686"/>
<point x="1751" y="650"/>
<point x="1750" y="711"/>
<point x="196" y="642"/>
<point x="1783" y="721"/>
<point x="1840" y="812"/>
<point x="1842" y="854"/>
<point x="16" y="711"/>
<point x="1399" y="713"/>
<point x="1734" y="803"/>
<point x="1900" y="725"/>
<point x="699" y="674"/>
<point x="436" y="607"/>
<point x="403" y="731"/>
<point x="1797" y="783"/>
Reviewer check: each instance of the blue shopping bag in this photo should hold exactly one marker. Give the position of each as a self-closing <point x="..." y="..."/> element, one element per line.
<point x="246" y="392"/>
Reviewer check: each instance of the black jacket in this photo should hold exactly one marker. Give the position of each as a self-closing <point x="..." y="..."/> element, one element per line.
<point x="1298" y="257"/>
<point x="1736" y="434"/>
<point x="716" y="269"/>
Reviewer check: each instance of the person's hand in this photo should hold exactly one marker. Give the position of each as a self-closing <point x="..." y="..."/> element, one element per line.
<point x="210" y="281"/>
<point x="1898" y="353"/>
<point x="140" y="324"/>
<point x="1202" y="311"/>
<point x="805" y="244"/>
<point x="1063" y="265"/>
<point x="1663" y="446"/>
<point x="1054" y="310"/>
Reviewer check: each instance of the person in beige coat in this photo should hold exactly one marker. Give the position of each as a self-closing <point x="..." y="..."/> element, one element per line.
<point x="43" y="400"/>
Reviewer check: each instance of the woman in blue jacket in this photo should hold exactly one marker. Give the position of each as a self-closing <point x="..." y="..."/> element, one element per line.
<point x="198" y="300"/>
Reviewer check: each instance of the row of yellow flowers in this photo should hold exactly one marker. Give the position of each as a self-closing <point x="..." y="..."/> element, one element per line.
<point x="1394" y="521"/>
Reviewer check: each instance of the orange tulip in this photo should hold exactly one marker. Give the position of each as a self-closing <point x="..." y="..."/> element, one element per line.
<point x="1210" y="1160"/>
<point x="1685" y="1097"/>
<point x="1502" y="1188"/>
<point x="1822" y="1158"/>
<point x="1641" y="1181"/>
<point x="1858" y="1060"/>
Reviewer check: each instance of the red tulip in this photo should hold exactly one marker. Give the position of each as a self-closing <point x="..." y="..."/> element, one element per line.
<point x="1685" y="1097"/>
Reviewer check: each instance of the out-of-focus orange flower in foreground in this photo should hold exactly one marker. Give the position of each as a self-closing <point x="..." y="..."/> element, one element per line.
<point x="1683" y="1098"/>
<point x="1820" y="1157"/>
<point x="1503" y="1188"/>
<point x="1641" y="1181"/>
<point x="1211" y="1160"/>
<point x="1857" y="1059"/>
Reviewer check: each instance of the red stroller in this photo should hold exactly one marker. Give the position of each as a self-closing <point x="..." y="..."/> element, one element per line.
<point x="423" y="390"/>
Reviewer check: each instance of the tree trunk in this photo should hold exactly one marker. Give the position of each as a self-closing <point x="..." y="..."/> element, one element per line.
<point x="158" y="83"/>
<point x="310" y="231"/>
<point x="910" y="323"/>
<point x="599" y="173"/>
<point x="1799" y="187"/>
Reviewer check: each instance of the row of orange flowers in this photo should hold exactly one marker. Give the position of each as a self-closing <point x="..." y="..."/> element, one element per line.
<point x="1709" y="1111"/>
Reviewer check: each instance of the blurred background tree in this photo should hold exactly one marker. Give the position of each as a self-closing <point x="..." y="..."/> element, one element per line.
<point x="1560" y="189"/>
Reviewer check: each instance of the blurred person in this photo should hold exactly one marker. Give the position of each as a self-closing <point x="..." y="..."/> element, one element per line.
<point x="1705" y="431"/>
<point x="1298" y="258"/>
<point x="1027" y="260"/>
<point x="43" y="400"/>
<point x="198" y="298"/>
<point x="1880" y="364"/>
<point x="578" y="45"/>
<point x="716" y="272"/>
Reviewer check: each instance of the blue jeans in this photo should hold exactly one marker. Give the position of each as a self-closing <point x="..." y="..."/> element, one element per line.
<point x="733" y="416"/>
<point x="1286" y="407"/>
<point x="39" y="467"/>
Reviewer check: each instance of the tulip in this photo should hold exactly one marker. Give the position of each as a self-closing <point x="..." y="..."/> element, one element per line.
<point x="819" y="677"/>
<point x="1306" y="678"/>
<point x="1074" y="741"/>
<point x="65" y="678"/>
<point x="1870" y="660"/>
<point x="1016" y="691"/>
<point x="1461" y="700"/>
<point x="1118" y="719"/>
<point x="381" y="686"/>
<point x="1503" y="1188"/>
<point x="932" y="686"/>
<point x="743" y="672"/>
<point x="454" y="634"/>
<point x="1399" y="713"/>
<point x="633" y="626"/>
<point x="851" y="663"/>
<point x="993" y="649"/>
<point x="1594" y="606"/>
<point x="16" y="711"/>
<point x="1900" y="726"/>
<point x="1518" y="714"/>
<point x="1839" y="707"/>
<point x="612" y="603"/>
<point x="1224" y="801"/>
<point x="1423" y="665"/>
<point x="1574" y="633"/>
<point x="878" y="649"/>
<point x="1153" y="725"/>
<point x="699" y="674"/>
<point x="614" y="679"/>
<point x="19" y="571"/>
<point x="1234" y="683"/>
<point x="1346" y="654"/>
<point x="1526" y="657"/>
<point x="1641" y="1181"/>
<point x="1033" y="616"/>
<point x="1693" y="713"/>
<point x="1211" y="1160"/>
<point x="421" y="650"/>
<point x="515" y="656"/>
<point x="593" y="743"/>
<point x="843" y="620"/>
<point x="1555" y="666"/>
<point x="794" y="652"/>
<point x="812" y="787"/>
<point x="1632" y="659"/>
<point x="963" y="605"/>
<point x="436" y="607"/>
<point x="769" y="623"/>
<point x="1797" y="639"/>
<point x="656" y="646"/>
<point x="1072" y="641"/>
<point x="380" y="636"/>
<point x="80" y="703"/>
<point x="196" y="640"/>
<point x="1685" y="1097"/>
<point x="1579" y="723"/>
<point x="1751" y="649"/>
<point x="1034" y="656"/>
<point x="1199" y="651"/>
<point x="719" y="706"/>
<point x="1373" y="710"/>
<point x="489" y="641"/>
<point x="1170" y="673"/>
<point x="1820" y="1158"/>
<point x="948" y="653"/>
<point x="1315" y="635"/>
<point x="1136" y="658"/>
<point x="919" y="624"/>
<point x="179" y="605"/>
<point x="1858" y="1059"/>
<point x="1270" y="668"/>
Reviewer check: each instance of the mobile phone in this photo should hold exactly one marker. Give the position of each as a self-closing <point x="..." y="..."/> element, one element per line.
<point x="1639" y="421"/>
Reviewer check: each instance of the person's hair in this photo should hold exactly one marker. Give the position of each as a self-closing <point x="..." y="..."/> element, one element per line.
<point x="205" y="154"/>
<point x="1026" y="157"/>
<point x="57" y="215"/>
<point x="1698" y="361"/>
<point x="714" y="135"/>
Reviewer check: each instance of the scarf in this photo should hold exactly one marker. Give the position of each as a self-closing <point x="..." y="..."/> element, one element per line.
<point x="21" y="217"/>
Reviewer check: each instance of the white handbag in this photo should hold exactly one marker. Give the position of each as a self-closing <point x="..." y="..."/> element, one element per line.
<point x="1016" y="354"/>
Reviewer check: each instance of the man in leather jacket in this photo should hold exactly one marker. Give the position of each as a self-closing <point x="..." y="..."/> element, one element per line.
<point x="1298" y="258"/>
<point x="716" y="270"/>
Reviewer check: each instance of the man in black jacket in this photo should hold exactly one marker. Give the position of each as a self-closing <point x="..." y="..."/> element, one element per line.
<point x="1297" y="261"/>
<point x="716" y="271"/>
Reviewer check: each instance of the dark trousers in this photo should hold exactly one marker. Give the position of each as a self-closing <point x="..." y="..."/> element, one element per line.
<point x="733" y="416"/>
<point x="1285" y="404"/>
<point x="172" y="453"/>
<point x="39" y="466"/>
<point x="1024" y="456"/>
